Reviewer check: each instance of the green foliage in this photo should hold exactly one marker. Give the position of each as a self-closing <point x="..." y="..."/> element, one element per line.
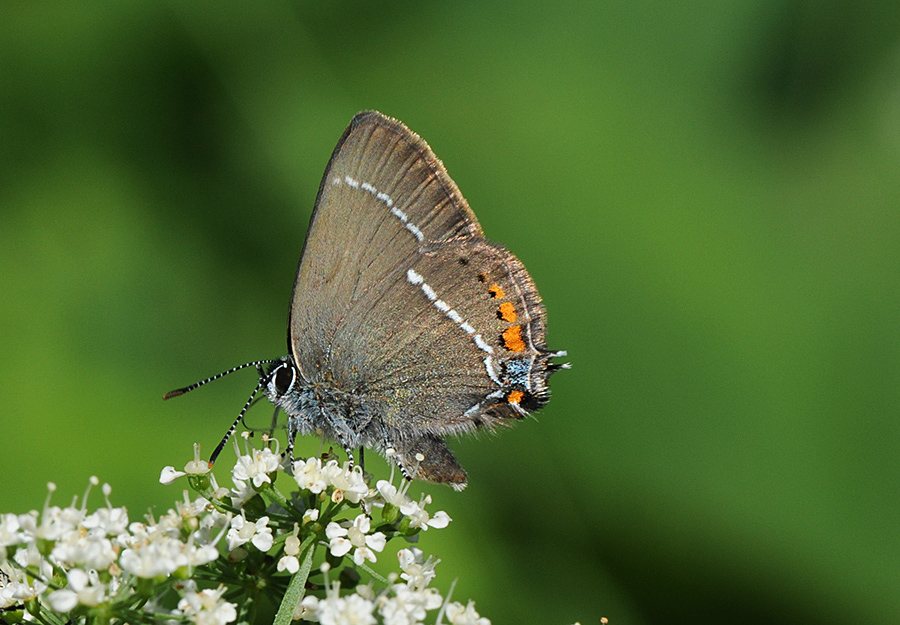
<point x="705" y="195"/>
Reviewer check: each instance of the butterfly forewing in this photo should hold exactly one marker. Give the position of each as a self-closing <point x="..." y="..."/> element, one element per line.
<point x="383" y="197"/>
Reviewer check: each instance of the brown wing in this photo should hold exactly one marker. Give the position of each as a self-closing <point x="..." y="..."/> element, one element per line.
<point x="399" y="297"/>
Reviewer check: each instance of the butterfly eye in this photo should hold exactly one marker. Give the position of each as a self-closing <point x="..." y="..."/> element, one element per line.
<point x="284" y="379"/>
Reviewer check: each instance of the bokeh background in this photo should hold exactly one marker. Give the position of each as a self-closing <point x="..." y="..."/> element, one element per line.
<point x="707" y="194"/>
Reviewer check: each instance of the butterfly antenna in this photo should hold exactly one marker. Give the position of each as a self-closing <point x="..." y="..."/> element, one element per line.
<point x="187" y="389"/>
<point x="215" y="454"/>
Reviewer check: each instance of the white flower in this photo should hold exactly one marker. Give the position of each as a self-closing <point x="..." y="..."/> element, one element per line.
<point x="83" y="588"/>
<point x="200" y="516"/>
<point x="334" y="610"/>
<point x="467" y="615"/>
<point x="306" y="609"/>
<point x="29" y="556"/>
<point x="198" y="555"/>
<point x="28" y="523"/>
<point x="288" y="563"/>
<point x="169" y="475"/>
<point x="56" y="522"/>
<point x="391" y="494"/>
<point x="14" y="588"/>
<point x="243" y="531"/>
<point x="417" y="571"/>
<point x="197" y="466"/>
<point x="308" y="475"/>
<point x="83" y="548"/>
<point x="342" y="540"/>
<point x="311" y="516"/>
<point x="241" y="493"/>
<point x="256" y="467"/>
<point x="419" y="518"/>
<point x="348" y="483"/>
<point x="63" y="600"/>
<point x="86" y="544"/>
<point x="292" y="544"/>
<point x="10" y="530"/>
<point x="408" y="606"/>
<point x="169" y="523"/>
<point x="346" y="479"/>
<point x="206" y="607"/>
<point x="110" y="521"/>
<point x="366" y="591"/>
<point x="158" y="555"/>
<point x="157" y="549"/>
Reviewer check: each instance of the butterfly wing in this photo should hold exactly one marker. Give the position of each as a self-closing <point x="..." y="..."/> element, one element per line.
<point x="402" y="305"/>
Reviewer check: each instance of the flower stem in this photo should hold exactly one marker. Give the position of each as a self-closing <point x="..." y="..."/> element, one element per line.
<point x="297" y="588"/>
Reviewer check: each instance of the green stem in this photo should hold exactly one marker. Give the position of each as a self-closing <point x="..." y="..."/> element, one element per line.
<point x="297" y="588"/>
<point x="375" y="575"/>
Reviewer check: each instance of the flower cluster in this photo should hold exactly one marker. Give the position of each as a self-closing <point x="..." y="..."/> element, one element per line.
<point x="398" y="604"/>
<point x="223" y="554"/>
<point x="72" y="561"/>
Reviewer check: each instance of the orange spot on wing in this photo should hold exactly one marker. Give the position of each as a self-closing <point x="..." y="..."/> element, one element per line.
<point x="512" y="338"/>
<point x="515" y="397"/>
<point x="507" y="312"/>
<point x="496" y="291"/>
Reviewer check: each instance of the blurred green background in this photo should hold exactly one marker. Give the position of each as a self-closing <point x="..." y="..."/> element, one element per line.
<point x="706" y="194"/>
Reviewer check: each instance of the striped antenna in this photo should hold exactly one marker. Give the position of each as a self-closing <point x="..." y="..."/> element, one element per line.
<point x="187" y="389"/>
<point x="263" y="380"/>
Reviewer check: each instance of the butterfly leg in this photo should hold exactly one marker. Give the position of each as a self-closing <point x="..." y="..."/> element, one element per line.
<point x="293" y="430"/>
<point x="390" y="451"/>
<point x="327" y="417"/>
